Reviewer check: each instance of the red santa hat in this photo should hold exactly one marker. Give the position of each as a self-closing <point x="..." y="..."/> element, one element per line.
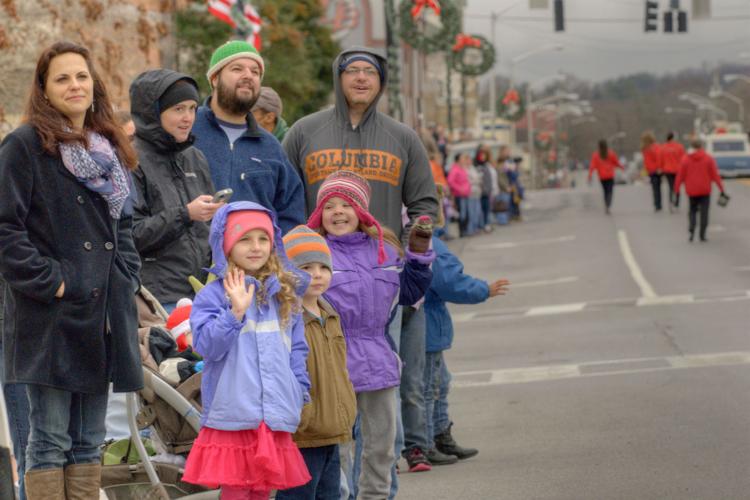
<point x="178" y="323"/>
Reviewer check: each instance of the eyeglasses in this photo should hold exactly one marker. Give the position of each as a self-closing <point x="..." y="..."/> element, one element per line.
<point x="355" y="71"/>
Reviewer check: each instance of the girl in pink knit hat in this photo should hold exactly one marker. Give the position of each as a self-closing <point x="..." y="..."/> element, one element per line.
<point x="372" y="275"/>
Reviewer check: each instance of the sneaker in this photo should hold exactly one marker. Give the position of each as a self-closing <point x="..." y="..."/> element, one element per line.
<point x="417" y="460"/>
<point x="438" y="458"/>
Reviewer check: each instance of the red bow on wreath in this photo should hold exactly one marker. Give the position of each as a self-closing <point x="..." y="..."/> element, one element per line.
<point x="466" y="41"/>
<point x="511" y="96"/>
<point x="421" y="4"/>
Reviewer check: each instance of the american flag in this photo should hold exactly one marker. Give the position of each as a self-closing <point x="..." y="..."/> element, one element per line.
<point x="241" y="16"/>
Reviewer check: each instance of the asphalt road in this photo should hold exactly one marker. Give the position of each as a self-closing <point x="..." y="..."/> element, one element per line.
<point x="619" y="365"/>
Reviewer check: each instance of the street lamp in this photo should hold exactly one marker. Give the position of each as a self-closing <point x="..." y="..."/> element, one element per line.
<point x="717" y="91"/>
<point x="701" y="102"/>
<point x="521" y="57"/>
<point x="669" y="110"/>
<point x="616" y="135"/>
<point x="731" y="77"/>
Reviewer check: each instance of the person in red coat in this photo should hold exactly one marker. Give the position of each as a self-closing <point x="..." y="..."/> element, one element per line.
<point x="652" y="162"/>
<point x="604" y="161"/>
<point x="672" y="153"/>
<point x="697" y="170"/>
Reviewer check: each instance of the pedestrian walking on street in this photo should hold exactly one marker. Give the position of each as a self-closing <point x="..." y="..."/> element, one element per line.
<point x="372" y="274"/>
<point x="68" y="257"/>
<point x="697" y="172"/>
<point x="241" y="154"/>
<point x="247" y="326"/>
<point x="512" y="170"/>
<point x="652" y="162"/>
<point x="604" y="162"/>
<point x="175" y="191"/>
<point x="672" y="153"/>
<point x="328" y="419"/>
<point x="449" y="284"/>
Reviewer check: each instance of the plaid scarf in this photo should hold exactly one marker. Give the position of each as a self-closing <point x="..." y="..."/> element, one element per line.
<point x="99" y="169"/>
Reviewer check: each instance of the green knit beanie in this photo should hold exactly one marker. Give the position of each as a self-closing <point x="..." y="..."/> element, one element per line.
<point x="235" y="49"/>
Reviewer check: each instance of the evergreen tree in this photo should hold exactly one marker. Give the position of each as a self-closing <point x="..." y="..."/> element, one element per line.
<point x="297" y="50"/>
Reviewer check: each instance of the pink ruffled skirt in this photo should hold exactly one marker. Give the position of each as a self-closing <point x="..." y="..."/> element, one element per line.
<point x="255" y="459"/>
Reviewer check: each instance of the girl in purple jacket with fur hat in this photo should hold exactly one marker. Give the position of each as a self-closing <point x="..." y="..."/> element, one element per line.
<point x="372" y="274"/>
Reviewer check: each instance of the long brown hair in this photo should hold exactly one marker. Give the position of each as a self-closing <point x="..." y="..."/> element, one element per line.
<point x="287" y="296"/>
<point x="54" y="128"/>
<point x="647" y="139"/>
<point x="603" y="149"/>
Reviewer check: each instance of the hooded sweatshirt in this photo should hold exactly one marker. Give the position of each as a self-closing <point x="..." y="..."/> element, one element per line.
<point x="255" y="370"/>
<point x="697" y="171"/>
<point x="169" y="176"/>
<point x="385" y="152"/>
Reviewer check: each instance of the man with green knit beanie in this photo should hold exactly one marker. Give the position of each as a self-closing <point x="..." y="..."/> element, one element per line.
<point x="242" y="155"/>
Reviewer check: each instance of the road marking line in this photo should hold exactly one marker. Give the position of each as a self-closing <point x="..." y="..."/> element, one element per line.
<point x="716" y="229"/>
<point x="558" y="309"/>
<point x="557" y="281"/>
<point x="664" y="300"/>
<point x="512" y="244"/>
<point x="567" y="371"/>
<point x="635" y="270"/>
<point x="463" y="317"/>
<point x="742" y="268"/>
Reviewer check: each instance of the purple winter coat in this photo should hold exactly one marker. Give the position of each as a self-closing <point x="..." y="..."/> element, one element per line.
<point x="364" y="293"/>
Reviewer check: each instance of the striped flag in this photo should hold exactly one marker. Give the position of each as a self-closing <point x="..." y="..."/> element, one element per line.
<point x="241" y="16"/>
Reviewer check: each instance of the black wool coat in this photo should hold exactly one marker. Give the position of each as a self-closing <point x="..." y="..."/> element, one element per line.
<point x="53" y="230"/>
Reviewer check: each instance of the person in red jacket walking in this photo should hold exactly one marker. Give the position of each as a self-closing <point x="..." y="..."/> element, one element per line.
<point x="604" y="161"/>
<point x="672" y="153"/>
<point x="697" y="170"/>
<point x="652" y="162"/>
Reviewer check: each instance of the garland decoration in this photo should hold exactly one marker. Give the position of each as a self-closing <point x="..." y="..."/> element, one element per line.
<point x="412" y="31"/>
<point x="464" y="45"/>
<point x="511" y="107"/>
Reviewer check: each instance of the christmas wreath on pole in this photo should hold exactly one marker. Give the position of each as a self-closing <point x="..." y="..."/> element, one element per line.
<point x="543" y="141"/>
<point x="413" y="33"/>
<point x="466" y="48"/>
<point x="511" y="106"/>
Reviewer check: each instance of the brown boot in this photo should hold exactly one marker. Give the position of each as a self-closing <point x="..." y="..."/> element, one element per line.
<point x="45" y="484"/>
<point x="82" y="481"/>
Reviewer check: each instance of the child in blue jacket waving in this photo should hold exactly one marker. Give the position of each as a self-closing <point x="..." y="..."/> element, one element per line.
<point x="449" y="284"/>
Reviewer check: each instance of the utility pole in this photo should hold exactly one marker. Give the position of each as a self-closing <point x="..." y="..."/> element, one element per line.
<point x="493" y="96"/>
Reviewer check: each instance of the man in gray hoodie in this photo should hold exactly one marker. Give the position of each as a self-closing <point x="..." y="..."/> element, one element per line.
<point x="353" y="135"/>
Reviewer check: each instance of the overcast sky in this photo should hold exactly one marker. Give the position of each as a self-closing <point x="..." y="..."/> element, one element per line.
<point x="614" y="46"/>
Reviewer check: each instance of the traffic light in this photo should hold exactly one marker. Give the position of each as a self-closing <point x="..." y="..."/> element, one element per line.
<point x="651" y="19"/>
<point x="559" y="16"/>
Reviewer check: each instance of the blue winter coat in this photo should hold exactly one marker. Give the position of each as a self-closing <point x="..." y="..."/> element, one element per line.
<point x="254" y="371"/>
<point x="449" y="284"/>
<point x="364" y="293"/>
<point x="255" y="167"/>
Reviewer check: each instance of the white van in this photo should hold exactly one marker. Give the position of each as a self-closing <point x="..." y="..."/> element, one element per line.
<point x="731" y="151"/>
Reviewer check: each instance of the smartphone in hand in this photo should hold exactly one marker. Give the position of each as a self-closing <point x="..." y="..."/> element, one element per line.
<point x="222" y="196"/>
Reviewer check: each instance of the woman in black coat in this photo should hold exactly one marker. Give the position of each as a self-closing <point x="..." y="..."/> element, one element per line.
<point x="170" y="224"/>
<point x="67" y="254"/>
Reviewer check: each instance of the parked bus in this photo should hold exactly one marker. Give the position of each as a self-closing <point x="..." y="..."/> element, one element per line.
<point x="731" y="151"/>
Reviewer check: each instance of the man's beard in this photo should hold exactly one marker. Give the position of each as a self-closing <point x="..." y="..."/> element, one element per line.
<point x="228" y="100"/>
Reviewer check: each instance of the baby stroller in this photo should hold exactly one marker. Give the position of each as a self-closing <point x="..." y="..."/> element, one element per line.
<point x="172" y="410"/>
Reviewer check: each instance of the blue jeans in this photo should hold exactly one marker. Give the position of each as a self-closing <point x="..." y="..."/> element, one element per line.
<point x="17" y="408"/>
<point x="66" y="427"/>
<point x="437" y="381"/>
<point x="325" y="468"/>
<point x="412" y="378"/>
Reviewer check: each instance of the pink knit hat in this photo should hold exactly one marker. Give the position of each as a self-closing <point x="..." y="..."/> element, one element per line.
<point x="240" y="222"/>
<point x="355" y="189"/>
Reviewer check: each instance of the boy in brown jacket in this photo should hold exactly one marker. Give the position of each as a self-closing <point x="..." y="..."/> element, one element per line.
<point x="328" y="419"/>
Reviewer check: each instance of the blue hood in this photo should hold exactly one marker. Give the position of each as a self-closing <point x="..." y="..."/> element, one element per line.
<point x="216" y="241"/>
